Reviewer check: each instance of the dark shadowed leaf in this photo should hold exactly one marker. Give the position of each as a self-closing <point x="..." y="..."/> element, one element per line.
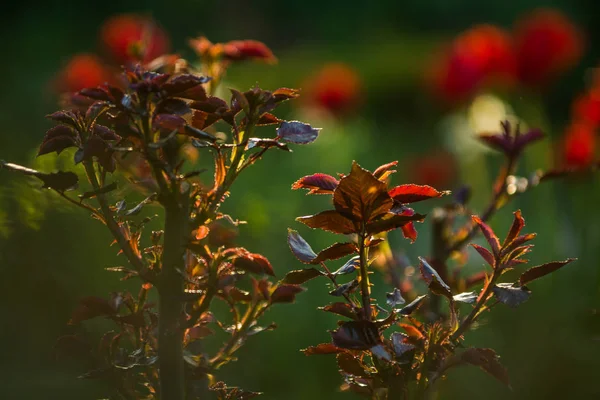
<point x="91" y="307"/>
<point x="511" y="295"/>
<point x="335" y="251"/>
<point x="181" y="83"/>
<point x="394" y="298"/>
<point x="412" y="193"/>
<point x="542" y="270"/>
<point x="199" y="134"/>
<point x="361" y="195"/>
<point x="300" y="248"/>
<point x="60" y="181"/>
<point x="339" y="308"/>
<point x="356" y="335"/>
<point x="323" y="348"/>
<point x="465" y="297"/>
<point x="102" y="190"/>
<point x="346" y="288"/>
<point x="232" y="393"/>
<point x="241" y="103"/>
<point x="57" y="139"/>
<point x="64" y="117"/>
<point x="266" y="144"/>
<point x="501" y="143"/>
<point x="351" y="365"/>
<point x="285" y="293"/>
<point x="380" y="352"/>
<point x="297" y="132"/>
<point x="349" y="267"/>
<point x="433" y="279"/>
<point x="410" y="308"/>
<point x="399" y="341"/>
<point x="487" y="360"/>
<point x="485" y="254"/>
<point x="489" y="235"/>
<point x="300" y="276"/>
<point x="317" y="184"/>
<point x="331" y="221"/>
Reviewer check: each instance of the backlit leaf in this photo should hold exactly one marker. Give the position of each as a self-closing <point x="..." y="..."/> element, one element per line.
<point x="465" y="297"/>
<point x="411" y="193"/>
<point x="485" y="254"/>
<point x="300" y="276"/>
<point x="317" y="184"/>
<point x="490" y="236"/>
<point x="335" y="251"/>
<point x="515" y="229"/>
<point x="343" y="309"/>
<point x="392" y="221"/>
<point x="542" y="270"/>
<point x="323" y="348"/>
<point x="285" y="293"/>
<point x="349" y="267"/>
<point x="351" y="365"/>
<point x="356" y="335"/>
<point x="297" y="132"/>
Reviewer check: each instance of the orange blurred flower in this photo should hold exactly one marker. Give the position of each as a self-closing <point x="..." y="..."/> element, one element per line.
<point x="336" y="87"/>
<point x="480" y="56"/>
<point x="579" y="145"/>
<point x="129" y="37"/>
<point x="83" y="70"/>
<point x="546" y="45"/>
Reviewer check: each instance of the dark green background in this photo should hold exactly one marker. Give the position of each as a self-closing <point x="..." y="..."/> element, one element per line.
<point x="50" y="255"/>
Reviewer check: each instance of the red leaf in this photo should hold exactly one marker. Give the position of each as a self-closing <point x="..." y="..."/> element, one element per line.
<point x="490" y="236"/>
<point x="317" y="184"/>
<point x="323" y="348"/>
<point x="241" y="50"/>
<point x="255" y="263"/>
<point x="409" y="231"/>
<point x="384" y="171"/>
<point x="411" y="193"/>
<point x="485" y="253"/>
<point x="331" y="221"/>
<point x="542" y="270"/>
<point x="515" y="229"/>
<point x="285" y="293"/>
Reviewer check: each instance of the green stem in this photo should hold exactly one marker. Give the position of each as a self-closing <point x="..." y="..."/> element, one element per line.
<point x="171" y="325"/>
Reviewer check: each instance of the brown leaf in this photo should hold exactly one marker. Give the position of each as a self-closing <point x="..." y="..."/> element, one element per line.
<point x="489" y="234"/>
<point x="356" y="335"/>
<point x="323" y="348"/>
<point x="351" y="365"/>
<point x="334" y="252"/>
<point x="485" y="254"/>
<point x="300" y="276"/>
<point x="488" y="360"/>
<point x="255" y="263"/>
<point x="362" y="195"/>
<point x="331" y="221"/>
<point x="515" y="229"/>
<point x="542" y="270"/>
<point x="343" y="309"/>
<point x="392" y="221"/>
<point x="317" y="184"/>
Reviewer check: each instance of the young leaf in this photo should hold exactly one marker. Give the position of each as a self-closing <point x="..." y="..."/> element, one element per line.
<point x="356" y="335"/>
<point x="297" y="132"/>
<point x="285" y="293"/>
<point x="542" y="270"/>
<point x="300" y="248"/>
<point x="394" y="298"/>
<point x="414" y="305"/>
<point x="300" y="276"/>
<point x="361" y="195"/>
<point x="411" y="193"/>
<point x="255" y="263"/>
<point x="487" y="360"/>
<point x="515" y="229"/>
<point x="485" y="254"/>
<point x="511" y="295"/>
<point x="433" y="279"/>
<point x="385" y="170"/>
<point x="490" y="236"/>
<point x="392" y="221"/>
<point x="331" y="221"/>
<point x="335" y="251"/>
<point x="317" y="184"/>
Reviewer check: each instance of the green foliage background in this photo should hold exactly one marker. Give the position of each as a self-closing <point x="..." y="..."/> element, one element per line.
<point x="51" y="255"/>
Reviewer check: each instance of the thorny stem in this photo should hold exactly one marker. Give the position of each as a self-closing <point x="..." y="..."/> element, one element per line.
<point x="112" y="225"/>
<point x="336" y="285"/>
<point x="211" y="290"/>
<point x="364" y="277"/>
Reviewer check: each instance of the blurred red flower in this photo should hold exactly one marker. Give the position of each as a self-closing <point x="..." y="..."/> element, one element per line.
<point x="336" y="87"/>
<point x="587" y="108"/>
<point x="129" y="37"/>
<point x="546" y="45"/>
<point x="437" y="169"/>
<point x="579" y="144"/>
<point x="82" y="70"/>
<point x="480" y="55"/>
